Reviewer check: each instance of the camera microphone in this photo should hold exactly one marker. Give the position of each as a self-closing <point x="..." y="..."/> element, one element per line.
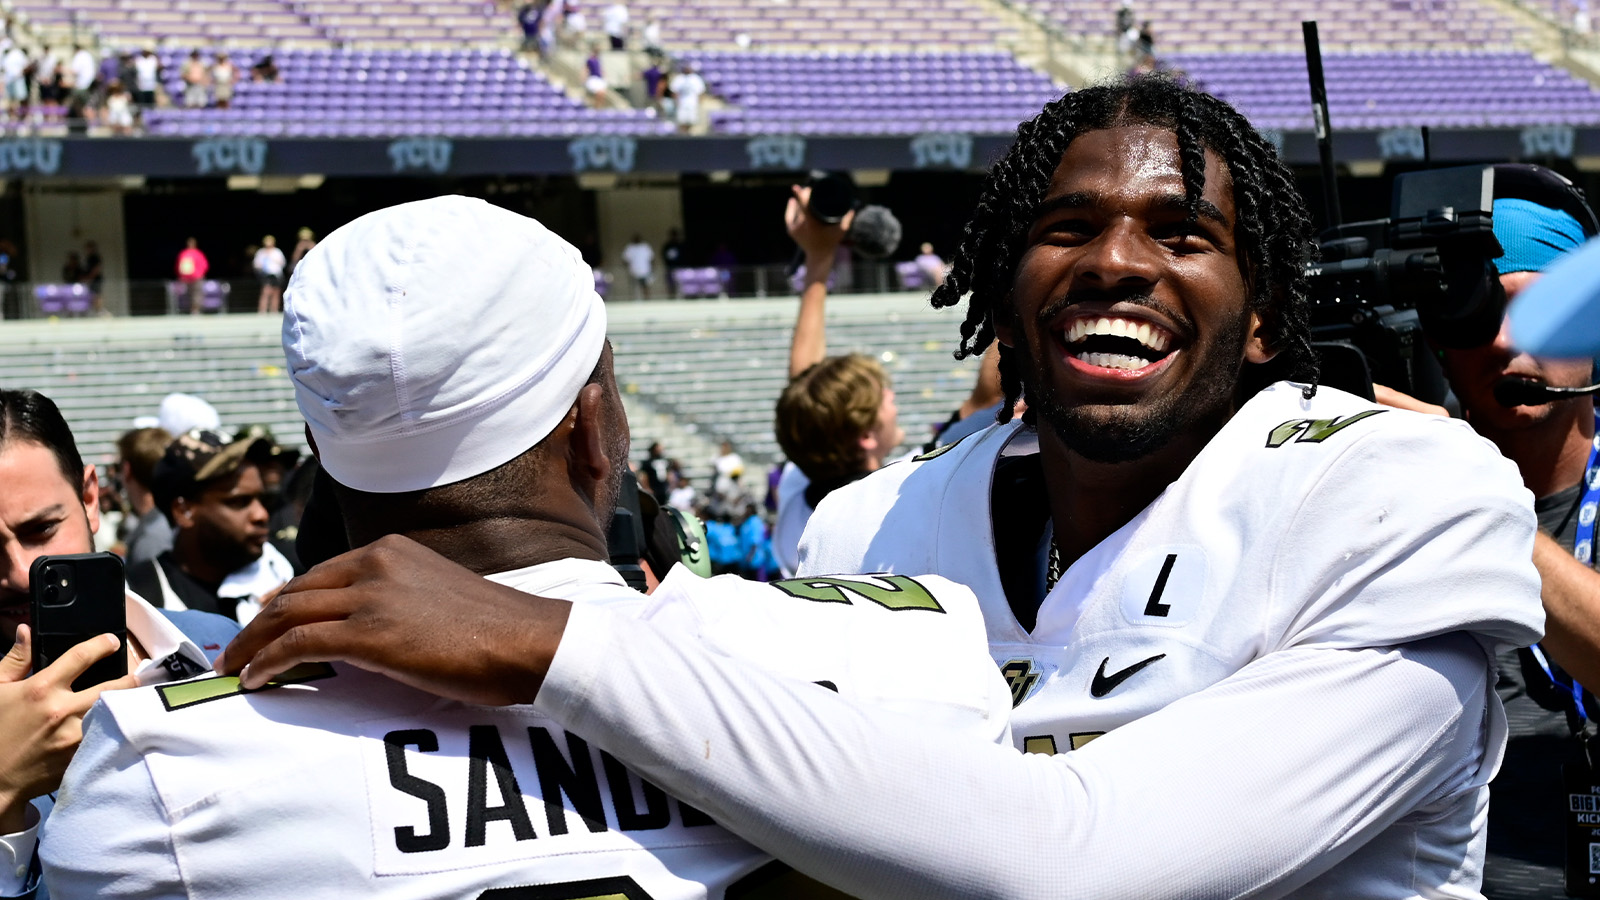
<point x="1512" y="391"/>
<point x="875" y="232"/>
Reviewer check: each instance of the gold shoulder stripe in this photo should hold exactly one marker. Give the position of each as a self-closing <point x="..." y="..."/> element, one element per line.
<point x="939" y="451"/>
<point x="189" y="693"/>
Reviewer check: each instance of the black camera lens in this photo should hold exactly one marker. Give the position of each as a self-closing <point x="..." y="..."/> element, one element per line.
<point x="832" y="196"/>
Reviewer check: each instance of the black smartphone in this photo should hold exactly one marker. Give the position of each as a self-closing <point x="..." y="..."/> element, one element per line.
<point x="76" y="597"/>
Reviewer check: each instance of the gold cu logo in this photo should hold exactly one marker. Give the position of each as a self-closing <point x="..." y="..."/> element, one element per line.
<point x="1022" y="676"/>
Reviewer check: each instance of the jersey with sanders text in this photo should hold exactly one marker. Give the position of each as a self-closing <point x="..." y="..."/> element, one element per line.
<point x="339" y="782"/>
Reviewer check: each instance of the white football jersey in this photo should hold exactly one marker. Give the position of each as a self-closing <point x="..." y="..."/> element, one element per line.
<point x="340" y="782"/>
<point x="1328" y="524"/>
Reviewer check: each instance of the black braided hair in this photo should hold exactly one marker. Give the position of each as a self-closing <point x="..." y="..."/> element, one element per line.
<point x="1271" y="225"/>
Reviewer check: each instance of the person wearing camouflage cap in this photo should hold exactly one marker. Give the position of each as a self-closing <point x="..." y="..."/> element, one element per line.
<point x="210" y="489"/>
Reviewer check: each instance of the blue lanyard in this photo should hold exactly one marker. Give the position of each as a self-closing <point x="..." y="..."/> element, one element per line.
<point x="1583" y="549"/>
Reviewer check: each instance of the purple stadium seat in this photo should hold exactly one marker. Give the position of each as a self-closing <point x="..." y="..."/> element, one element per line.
<point x="911" y="276"/>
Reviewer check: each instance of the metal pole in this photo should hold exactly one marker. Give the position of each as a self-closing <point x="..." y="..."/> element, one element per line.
<point x="1319" y="115"/>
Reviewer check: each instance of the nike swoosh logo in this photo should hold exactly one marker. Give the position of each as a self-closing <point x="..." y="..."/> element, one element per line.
<point x="1104" y="684"/>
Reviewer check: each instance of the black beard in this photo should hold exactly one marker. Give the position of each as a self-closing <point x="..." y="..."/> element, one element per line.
<point x="1130" y="433"/>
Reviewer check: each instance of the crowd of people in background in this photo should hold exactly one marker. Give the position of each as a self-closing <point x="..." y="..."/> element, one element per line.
<point x="94" y="89"/>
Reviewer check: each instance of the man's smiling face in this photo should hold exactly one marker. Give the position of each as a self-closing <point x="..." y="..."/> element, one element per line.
<point x="1132" y="321"/>
<point x="40" y="512"/>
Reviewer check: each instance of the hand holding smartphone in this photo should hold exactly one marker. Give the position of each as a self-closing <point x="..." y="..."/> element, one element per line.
<point x="77" y="597"/>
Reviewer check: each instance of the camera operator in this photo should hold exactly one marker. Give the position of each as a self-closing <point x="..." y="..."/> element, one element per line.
<point x="836" y="419"/>
<point x="1552" y="443"/>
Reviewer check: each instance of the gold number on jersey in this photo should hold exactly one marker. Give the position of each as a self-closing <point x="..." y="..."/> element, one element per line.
<point x="895" y="592"/>
<point x="1313" y="431"/>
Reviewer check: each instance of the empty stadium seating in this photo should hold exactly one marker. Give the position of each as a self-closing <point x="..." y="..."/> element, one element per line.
<point x="711" y="369"/>
<point x="821" y="24"/>
<point x="893" y="93"/>
<point x="392" y="24"/>
<point x="1387" y="90"/>
<point x="379" y="93"/>
<point x="1204" y="25"/>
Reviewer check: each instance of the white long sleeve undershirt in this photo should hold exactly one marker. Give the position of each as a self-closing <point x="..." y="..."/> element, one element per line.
<point x="1250" y="787"/>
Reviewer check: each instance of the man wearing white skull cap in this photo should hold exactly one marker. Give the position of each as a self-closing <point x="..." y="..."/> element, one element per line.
<point x="450" y="361"/>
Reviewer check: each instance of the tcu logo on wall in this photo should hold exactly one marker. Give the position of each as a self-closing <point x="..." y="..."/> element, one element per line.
<point x="223" y="155"/>
<point x="941" y="148"/>
<point x="429" y="154"/>
<point x="784" y="151"/>
<point x="1548" y="140"/>
<point x="41" y="156"/>
<point x="1401" y="143"/>
<point x="599" y="153"/>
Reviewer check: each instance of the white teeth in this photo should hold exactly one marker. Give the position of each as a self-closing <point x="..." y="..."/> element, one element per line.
<point x="1143" y="332"/>
<point x="1113" y="361"/>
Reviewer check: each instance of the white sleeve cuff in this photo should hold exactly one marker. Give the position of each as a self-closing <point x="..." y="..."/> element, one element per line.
<point x="586" y="643"/>
<point x="16" y="855"/>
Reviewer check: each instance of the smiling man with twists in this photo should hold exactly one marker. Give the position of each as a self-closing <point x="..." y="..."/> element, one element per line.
<point x="1249" y="625"/>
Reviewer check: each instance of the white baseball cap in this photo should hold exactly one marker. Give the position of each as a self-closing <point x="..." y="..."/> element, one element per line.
<point x="181" y="413"/>
<point x="434" y="341"/>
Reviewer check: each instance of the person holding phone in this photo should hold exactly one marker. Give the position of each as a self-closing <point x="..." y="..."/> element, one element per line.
<point x="50" y="506"/>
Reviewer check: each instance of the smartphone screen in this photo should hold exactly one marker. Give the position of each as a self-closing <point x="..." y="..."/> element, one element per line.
<point x="77" y="597"/>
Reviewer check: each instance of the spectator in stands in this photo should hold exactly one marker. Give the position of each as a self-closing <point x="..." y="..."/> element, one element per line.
<point x="641" y="260"/>
<point x="1145" y="50"/>
<point x="836" y="420"/>
<point x="575" y="25"/>
<point x="595" y="82"/>
<point x="210" y="490"/>
<point x="614" y="20"/>
<point x="727" y="468"/>
<point x="755" y="546"/>
<point x="51" y="506"/>
<point x="265" y="69"/>
<point x="119" y="113"/>
<point x="681" y="493"/>
<point x="269" y="264"/>
<point x="930" y="265"/>
<point x="654" y="83"/>
<point x="651" y="38"/>
<point x="687" y="88"/>
<point x="150" y="535"/>
<point x="94" y="276"/>
<point x="196" y="82"/>
<point x="192" y="268"/>
<point x="146" y="78"/>
<point x="305" y="239"/>
<point x="85" y="68"/>
<point x="224" y="76"/>
<point x="655" y="471"/>
<point x="120" y="69"/>
<point x="50" y="73"/>
<point x="14" y="69"/>
<point x="528" y="16"/>
<point x="72" y="269"/>
<point x="722" y="544"/>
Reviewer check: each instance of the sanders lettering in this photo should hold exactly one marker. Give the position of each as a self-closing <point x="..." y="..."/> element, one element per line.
<point x="489" y="798"/>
